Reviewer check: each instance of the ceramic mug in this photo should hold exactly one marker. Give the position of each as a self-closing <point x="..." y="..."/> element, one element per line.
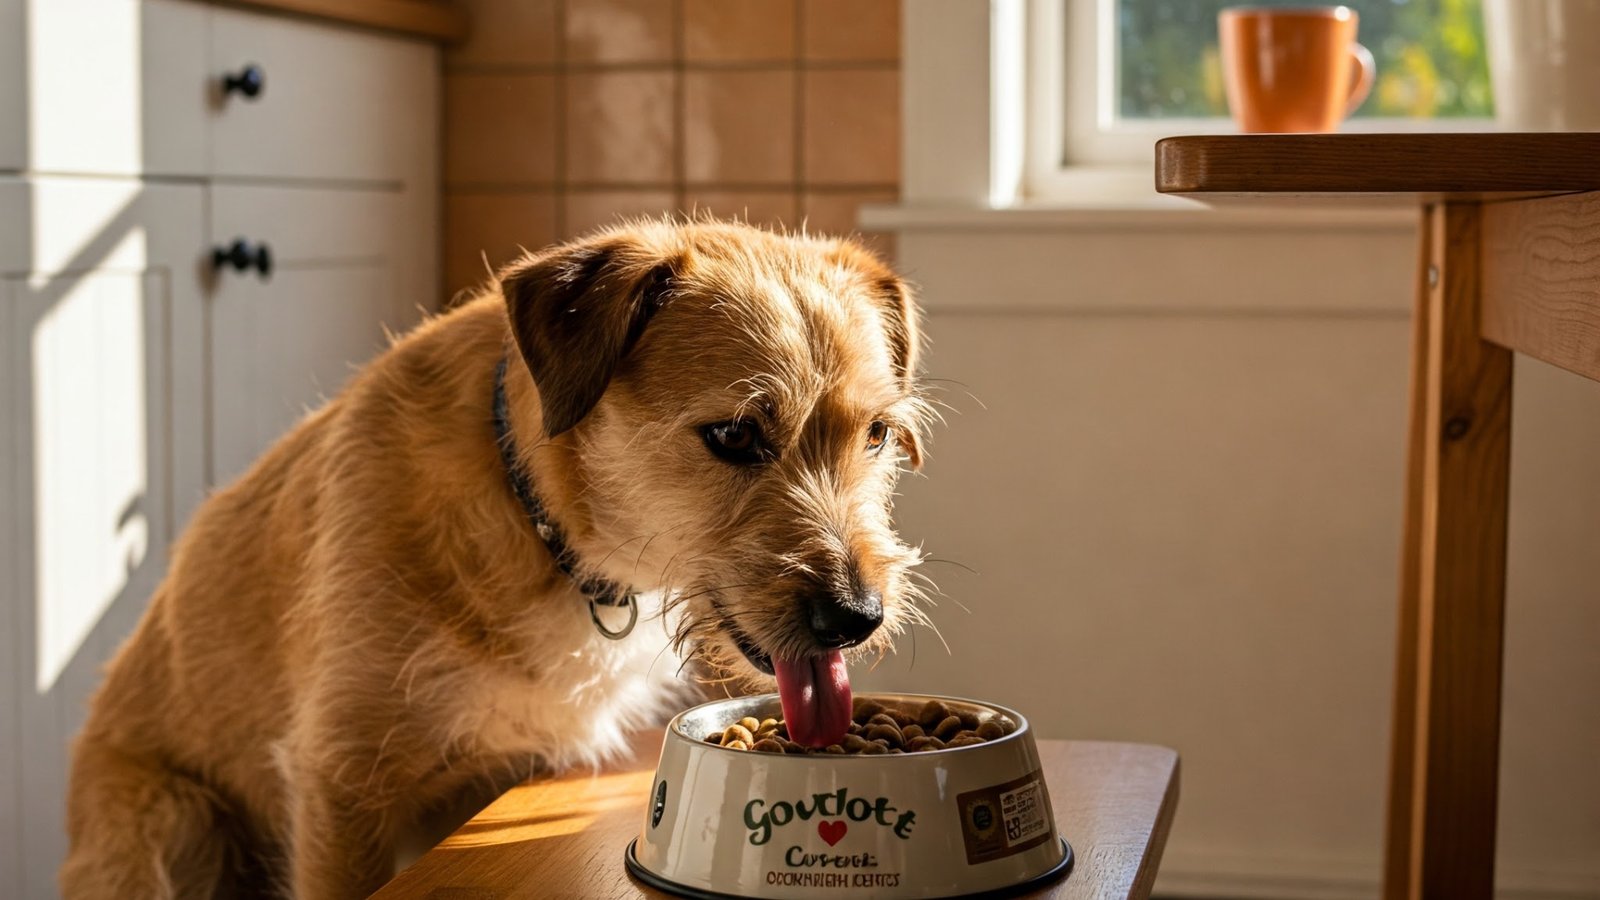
<point x="1289" y="69"/>
<point x="1546" y="68"/>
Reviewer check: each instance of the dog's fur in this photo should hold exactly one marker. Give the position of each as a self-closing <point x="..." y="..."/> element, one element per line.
<point x="365" y="625"/>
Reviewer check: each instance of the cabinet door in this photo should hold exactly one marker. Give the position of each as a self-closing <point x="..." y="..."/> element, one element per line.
<point x="104" y="86"/>
<point x="102" y="367"/>
<point x="280" y="346"/>
<point x="335" y="102"/>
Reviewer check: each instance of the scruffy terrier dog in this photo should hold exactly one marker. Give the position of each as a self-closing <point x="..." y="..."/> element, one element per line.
<point x="430" y="583"/>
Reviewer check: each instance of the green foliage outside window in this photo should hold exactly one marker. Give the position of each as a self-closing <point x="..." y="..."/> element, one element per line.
<point x="1430" y="56"/>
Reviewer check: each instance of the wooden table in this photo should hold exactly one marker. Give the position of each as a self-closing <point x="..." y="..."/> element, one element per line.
<point x="565" y="837"/>
<point x="1509" y="261"/>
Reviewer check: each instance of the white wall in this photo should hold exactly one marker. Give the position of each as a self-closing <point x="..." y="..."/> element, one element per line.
<point x="1175" y="469"/>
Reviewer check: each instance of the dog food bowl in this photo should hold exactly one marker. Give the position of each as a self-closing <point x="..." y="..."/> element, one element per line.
<point x="946" y="823"/>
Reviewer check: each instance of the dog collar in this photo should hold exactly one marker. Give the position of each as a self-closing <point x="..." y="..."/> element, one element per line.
<point x="599" y="591"/>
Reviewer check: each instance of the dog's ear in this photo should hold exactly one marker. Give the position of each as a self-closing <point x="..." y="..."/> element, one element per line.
<point x="575" y="314"/>
<point x="903" y="327"/>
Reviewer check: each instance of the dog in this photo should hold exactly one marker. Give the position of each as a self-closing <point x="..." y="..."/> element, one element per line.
<point x="428" y="586"/>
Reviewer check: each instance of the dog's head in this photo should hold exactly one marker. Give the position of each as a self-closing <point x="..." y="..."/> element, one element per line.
<point x="737" y="406"/>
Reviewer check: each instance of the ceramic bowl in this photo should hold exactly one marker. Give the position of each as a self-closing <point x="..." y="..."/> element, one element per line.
<point x="945" y="823"/>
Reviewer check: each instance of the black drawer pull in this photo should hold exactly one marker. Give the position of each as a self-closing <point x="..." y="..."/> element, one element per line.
<point x="249" y="82"/>
<point x="242" y="257"/>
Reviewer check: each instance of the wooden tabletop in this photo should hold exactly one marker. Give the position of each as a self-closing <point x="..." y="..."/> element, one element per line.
<point x="1482" y="165"/>
<point x="565" y="837"/>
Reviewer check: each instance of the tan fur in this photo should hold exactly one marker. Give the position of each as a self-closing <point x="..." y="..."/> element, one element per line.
<point x="364" y="625"/>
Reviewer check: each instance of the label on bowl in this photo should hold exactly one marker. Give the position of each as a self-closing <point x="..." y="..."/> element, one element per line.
<point x="1006" y="818"/>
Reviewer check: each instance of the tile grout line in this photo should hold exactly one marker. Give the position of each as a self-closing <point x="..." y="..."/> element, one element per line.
<point x="559" y="132"/>
<point x="799" y="113"/>
<point x="680" y="103"/>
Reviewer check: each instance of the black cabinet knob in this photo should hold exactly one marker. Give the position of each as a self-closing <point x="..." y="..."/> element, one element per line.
<point x="247" y="82"/>
<point x="242" y="256"/>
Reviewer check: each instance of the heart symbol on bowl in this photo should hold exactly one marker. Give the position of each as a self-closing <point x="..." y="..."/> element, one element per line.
<point x="832" y="832"/>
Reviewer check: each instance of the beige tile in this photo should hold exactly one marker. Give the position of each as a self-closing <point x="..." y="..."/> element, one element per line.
<point x="619" y="30"/>
<point x="492" y="226"/>
<point x="768" y="208"/>
<point x="837" y="213"/>
<point x="619" y="127"/>
<point x="588" y="210"/>
<point x="499" y="129"/>
<point x="851" y="30"/>
<point x="739" y="127"/>
<point x="506" y="32"/>
<point x="852" y="126"/>
<point x="738" y="30"/>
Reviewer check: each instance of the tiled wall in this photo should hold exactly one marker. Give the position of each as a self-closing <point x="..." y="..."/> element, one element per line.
<point x="561" y="115"/>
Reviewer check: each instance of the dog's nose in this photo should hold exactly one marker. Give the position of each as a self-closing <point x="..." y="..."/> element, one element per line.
<point x="844" y="621"/>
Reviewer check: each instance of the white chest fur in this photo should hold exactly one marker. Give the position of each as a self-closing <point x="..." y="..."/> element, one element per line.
<point x="584" y="703"/>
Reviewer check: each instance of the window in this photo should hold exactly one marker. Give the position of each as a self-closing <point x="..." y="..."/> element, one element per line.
<point x="1108" y="77"/>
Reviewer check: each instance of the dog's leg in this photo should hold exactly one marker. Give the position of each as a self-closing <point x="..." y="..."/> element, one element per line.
<point x="342" y="837"/>
<point x="139" y="829"/>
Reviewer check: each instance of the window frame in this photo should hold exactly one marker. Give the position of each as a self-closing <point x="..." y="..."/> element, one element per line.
<point x="1076" y="146"/>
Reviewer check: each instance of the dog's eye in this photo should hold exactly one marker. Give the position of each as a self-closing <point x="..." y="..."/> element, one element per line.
<point x="738" y="442"/>
<point x="877" y="436"/>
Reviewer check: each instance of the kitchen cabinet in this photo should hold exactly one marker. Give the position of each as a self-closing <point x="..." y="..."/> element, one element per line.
<point x="140" y="368"/>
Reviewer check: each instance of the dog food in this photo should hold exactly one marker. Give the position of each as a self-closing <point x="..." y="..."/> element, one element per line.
<point x="874" y="729"/>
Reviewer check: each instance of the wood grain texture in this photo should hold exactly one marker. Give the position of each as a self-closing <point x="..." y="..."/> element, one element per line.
<point x="1460" y="569"/>
<point x="1541" y="279"/>
<point x="1481" y="165"/>
<point x="565" y="837"/>
<point x="1402" y="757"/>
<point x="433" y="19"/>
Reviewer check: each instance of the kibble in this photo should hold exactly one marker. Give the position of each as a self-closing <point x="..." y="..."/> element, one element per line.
<point x="875" y="730"/>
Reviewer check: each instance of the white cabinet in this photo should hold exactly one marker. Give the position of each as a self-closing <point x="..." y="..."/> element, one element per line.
<point x="102" y="362"/>
<point x="134" y="375"/>
<point x="335" y="103"/>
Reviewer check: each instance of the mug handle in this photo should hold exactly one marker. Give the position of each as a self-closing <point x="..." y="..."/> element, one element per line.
<point x="1366" y="73"/>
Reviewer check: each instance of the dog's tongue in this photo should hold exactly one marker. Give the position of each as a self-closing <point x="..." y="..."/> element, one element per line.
<point x="816" y="698"/>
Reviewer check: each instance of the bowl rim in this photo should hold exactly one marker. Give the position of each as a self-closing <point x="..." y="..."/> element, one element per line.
<point x="673" y="729"/>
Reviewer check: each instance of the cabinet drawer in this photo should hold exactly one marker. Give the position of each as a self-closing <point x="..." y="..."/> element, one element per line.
<point x="334" y="103"/>
<point x="103" y="86"/>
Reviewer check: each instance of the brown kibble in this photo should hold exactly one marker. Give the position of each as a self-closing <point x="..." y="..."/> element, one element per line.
<point x="932" y="713"/>
<point x="964" y="739"/>
<point x="912" y="732"/>
<point x="750" y="724"/>
<point x="969" y="721"/>
<point x="834" y="749"/>
<point x="862" y="709"/>
<point x="1007" y="726"/>
<point x="853" y="743"/>
<point x="769" y="725"/>
<point x="714" y="737"/>
<point x="737" y="745"/>
<point x="882" y="718"/>
<point x="875" y="748"/>
<point x="793" y="748"/>
<point x="885" y="733"/>
<point x="917" y="745"/>
<point x="947" y="728"/>
<point x="857" y="728"/>
<point x="990" y="730"/>
<point x="767" y="746"/>
<point x="902" y="718"/>
<point x="737" y="732"/>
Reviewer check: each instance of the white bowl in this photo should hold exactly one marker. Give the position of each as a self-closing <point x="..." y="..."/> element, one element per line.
<point x="944" y="823"/>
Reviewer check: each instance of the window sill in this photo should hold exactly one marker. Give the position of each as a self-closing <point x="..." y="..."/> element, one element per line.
<point x="1100" y="198"/>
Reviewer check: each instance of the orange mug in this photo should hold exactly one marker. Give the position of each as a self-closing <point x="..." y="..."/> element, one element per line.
<point x="1293" y="69"/>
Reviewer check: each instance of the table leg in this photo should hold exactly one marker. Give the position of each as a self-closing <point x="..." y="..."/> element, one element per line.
<point x="1444" y="767"/>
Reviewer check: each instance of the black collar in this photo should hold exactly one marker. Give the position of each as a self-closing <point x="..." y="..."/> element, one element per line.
<point x="600" y="591"/>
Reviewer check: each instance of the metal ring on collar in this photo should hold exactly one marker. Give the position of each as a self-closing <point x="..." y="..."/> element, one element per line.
<point x="633" y="619"/>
